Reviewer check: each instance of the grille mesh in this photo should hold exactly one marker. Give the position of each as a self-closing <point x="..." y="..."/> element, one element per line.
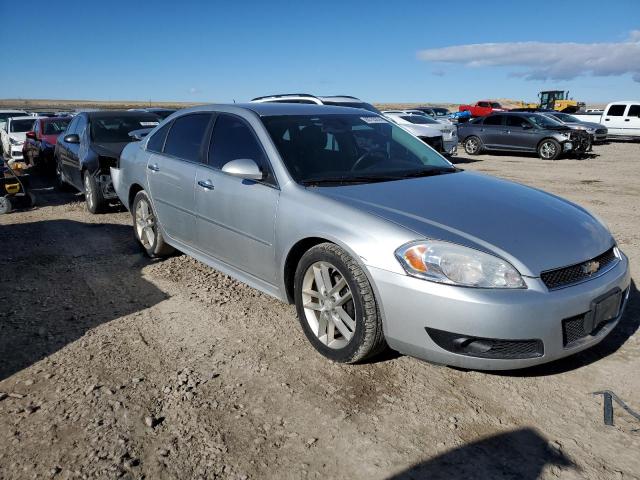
<point x="601" y="131"/>
<point x="562" y="277"/>
<point x="573" y="329"/>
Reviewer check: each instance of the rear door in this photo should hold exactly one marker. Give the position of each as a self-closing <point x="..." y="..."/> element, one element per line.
<point x="236" y="217"/>
<point x="171" y="173"/>
<point x="491" y="131"/>
<point x="614" y="118"/>
<point x="520" y="134"/>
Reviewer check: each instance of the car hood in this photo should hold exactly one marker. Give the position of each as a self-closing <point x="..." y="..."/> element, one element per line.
<point x="109" y="149"/>
<point x="534" y="230"/>
<point x="19" y="136"/>
<point x="422" y="130"/>
<point x="596" y="126"/>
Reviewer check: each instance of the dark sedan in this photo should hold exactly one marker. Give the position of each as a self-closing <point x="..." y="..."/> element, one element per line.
<point x="41" y="141"/>
<point x="91" y="144"/>
<point x="522" y="132"/>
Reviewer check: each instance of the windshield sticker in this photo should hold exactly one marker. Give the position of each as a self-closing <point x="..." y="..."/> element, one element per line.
<point x="373" y="119"/>
<point x="149" y="124"/>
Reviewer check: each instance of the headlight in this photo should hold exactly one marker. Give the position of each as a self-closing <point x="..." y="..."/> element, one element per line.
<point x="15" y="142"/>
<point x="565" y="134"/>
<point x="591" y="130"/>
<point x="453" y="264"/>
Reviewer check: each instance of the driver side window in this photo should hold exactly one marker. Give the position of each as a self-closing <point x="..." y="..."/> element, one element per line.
<point x="233" y="139"/>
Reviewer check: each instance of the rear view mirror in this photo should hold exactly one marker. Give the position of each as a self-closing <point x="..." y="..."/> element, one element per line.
<point x="243" y="168"/>
<point x="31" y="135"/>
<point x="72" y="138"/>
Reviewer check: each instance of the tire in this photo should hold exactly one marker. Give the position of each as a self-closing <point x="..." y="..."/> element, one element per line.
<point x="60" y="183"/>
<point x="155" y="247"/>
<point x="549" y="149"/>
<point x="5" y="205"/>
<point x="92" y="194"/>
<point x="473" y="145"/>
<point x="363" y="336"/>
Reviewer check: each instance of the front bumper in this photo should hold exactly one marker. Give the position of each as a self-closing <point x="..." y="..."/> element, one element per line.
<point x="411" y="305"/>
<point x="16" y="152"/>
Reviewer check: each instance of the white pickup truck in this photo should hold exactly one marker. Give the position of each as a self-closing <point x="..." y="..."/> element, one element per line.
<point x="621" y="118"/>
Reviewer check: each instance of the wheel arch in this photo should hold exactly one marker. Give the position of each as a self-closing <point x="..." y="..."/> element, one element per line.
<point x="133" y="191"/>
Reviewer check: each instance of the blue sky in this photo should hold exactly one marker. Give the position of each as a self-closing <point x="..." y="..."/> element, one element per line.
<point x="224" y="51"/>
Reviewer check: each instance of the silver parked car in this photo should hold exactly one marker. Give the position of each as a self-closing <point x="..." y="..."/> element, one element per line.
<point x="374" y="236"/>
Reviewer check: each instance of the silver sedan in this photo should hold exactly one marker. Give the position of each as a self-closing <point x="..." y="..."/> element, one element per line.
<point x="377" y="239"/>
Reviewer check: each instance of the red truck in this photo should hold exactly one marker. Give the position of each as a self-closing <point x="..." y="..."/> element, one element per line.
<point x="482" y="108"/>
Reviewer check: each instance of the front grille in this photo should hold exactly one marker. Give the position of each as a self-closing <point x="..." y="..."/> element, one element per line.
<point x="562" y="277"/>
<point x="434" y="142"/>
<point x="601" y="131"/>
<point x="486" y="347"/>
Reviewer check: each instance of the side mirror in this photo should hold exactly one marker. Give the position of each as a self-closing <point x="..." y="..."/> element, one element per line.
<point x="31" y="135"/>
<point x="243" y="168"/>
<point x="72" y="138"/>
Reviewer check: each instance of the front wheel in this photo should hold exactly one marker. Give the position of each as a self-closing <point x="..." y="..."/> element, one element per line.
<point x="336" y="305"/>
<point x="473" y="145"/>
<point x="549" y="149"/>
<point x="93" y="194"/>
<point x="145" y="225"/>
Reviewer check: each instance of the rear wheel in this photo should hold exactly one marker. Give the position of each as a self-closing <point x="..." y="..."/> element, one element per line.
<point x="473" y="145"/>
<point x="549" y="149"/>
<point x="5" y="205"/>
<point x="93" y="194"/>
<point x="145" y="225"/>
<point x="336" y="306"/>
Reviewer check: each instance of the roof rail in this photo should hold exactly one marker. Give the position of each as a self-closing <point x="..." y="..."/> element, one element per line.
<point x="282" y="95"/>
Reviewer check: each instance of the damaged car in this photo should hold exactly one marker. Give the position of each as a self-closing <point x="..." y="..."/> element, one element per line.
<point x="523" y="132"/>
<point x="90" y="145"/>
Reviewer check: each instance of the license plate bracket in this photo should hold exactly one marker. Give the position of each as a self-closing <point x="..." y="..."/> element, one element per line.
<point x="603" y="309"/>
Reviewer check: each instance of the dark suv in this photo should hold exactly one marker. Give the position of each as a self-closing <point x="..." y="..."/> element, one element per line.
<point x="90" y="145"/>
<point x="522" y="132"/>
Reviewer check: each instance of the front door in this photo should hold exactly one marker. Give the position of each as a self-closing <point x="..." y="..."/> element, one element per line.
<point x="236" y="217"/>
<point x="520" y="133"/>
<point x="614" y="118"/>
<point x="171" y="175"/>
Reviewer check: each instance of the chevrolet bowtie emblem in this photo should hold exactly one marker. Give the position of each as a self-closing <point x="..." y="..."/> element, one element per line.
<point x="590" y="268"/>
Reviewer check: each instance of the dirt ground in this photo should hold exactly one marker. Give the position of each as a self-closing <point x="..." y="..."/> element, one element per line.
<point x="112" y="365"/>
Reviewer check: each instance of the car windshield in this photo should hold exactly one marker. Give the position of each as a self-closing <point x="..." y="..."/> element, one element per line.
<point x="363" y="105"/>
<point x="19" y="126"/>
<point x="495" y="105"/>
<point x="565" y="117"/>
<point x="5" y="115"/>
<point x="346" y="148"/>
<point x="56" y="127"/>
<point x="162" y="113"/>
<point x="441" y="112"/>
<point x="544" y="121"/>
<point x="116" y="129"/>
<point x="419" y="119"/>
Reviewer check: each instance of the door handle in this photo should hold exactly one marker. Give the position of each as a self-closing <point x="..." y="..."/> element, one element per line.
<point x="154" y="167"/>
<point x="606" y="119"/>
<point x="206" y="184"/>
<point x="626" y="119"/>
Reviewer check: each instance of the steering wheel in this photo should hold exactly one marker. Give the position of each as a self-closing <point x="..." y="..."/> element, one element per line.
<point x="381" y="155"/>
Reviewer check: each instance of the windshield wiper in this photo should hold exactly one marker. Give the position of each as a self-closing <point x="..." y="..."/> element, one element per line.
<point x="347" y="180"/>
<point x="429" y="172"/>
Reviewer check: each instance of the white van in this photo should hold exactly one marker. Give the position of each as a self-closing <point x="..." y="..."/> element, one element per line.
<point x="621" y="118"/>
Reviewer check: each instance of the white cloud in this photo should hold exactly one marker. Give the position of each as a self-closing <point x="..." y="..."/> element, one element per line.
<point x="541" y="61"/>
<point x="194" y="90"/>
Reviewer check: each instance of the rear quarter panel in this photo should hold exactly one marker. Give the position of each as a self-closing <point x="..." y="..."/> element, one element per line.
<point x="131" y="171"/>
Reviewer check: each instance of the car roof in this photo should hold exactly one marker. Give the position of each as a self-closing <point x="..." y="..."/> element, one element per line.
<point x="324" y="98"/>
<point x="12" y="111"/>
<point x="26" y="117"/>
<point x="269" y="109"/>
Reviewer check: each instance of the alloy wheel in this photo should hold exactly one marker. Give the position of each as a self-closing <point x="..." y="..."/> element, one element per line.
<point x="547" y="150"/>
<point x="328" y="305"/>
<point x="145" y="224"/>
<point x="471" y="146"/>
<point x="88" y="191"/>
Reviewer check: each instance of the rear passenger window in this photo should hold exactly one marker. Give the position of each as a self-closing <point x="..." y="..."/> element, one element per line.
<point x="493" y="120"/>
<point x="616" y="110"/>
<point x="185" y="136"/>
<point x="634" y="111"/>
<point x="156" y="141"/>
<point x="233" y="139"/>
<point x="514" y="121"/>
